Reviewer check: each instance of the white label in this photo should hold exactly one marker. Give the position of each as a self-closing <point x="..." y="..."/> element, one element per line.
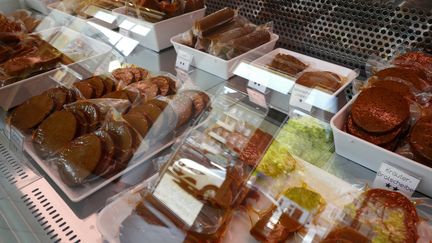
<point x="179" y="201"/>
<point x="299" y="95"/>
<point x="257" y="97"/>
<point x="184" y="60"/>
<point x="16" y="140"/>
<point x="124" y="32"/>
<point x="394" y="179"/>
<point x="258" y="86"/>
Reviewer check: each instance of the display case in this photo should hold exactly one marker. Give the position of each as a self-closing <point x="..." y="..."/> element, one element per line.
<point x="296" y="121"/>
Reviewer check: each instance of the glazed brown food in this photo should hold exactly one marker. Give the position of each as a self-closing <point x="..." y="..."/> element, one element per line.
<point x="123" y="75"/>
<point x="417" y="60"/>
<point x="321" y="79"/>
<point x="32" y="112"/>
<point x="146" y="88"/>
<point x="119" y="94"/>
<point x="345" y="234"/>
<point x="182" y="106"/>
<point x="256" y="147"/>
<point x="405" y="75"/>
<point x="379" y="110"/>
<point x="213" y="20"/>
<point x="55" y="132"/>
<point x="377" y="203"/>
<point x="91" y="112"/>
<point x="250" y="41"/>
<point x="106" y="163"/>
<point x="97" y="84"/>
<point x="85" y="89"/>
<point x="60" y="96"/>
<point x="78" y="159"/>
<point x="150" y="111"/>
<point x="123" y="140"/>
<point x="377" y="139"/>
<point x="199" y="99"/>
<point x="397" y="87"/>
<point x="137" y="121"/>
<point x="420" y="140"/>
<point x="287" y="64"/>
<point x="83" y="123"/>
<point x="163" y="83"/>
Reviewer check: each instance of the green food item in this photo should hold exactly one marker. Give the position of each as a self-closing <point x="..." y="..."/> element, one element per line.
<point x="277" y="161"/>
<point x="305" y="198"/>
<point x="391" y="229"/>
<point x="309" y="139"/>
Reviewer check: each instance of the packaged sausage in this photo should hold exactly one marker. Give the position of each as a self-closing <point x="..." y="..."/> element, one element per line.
<point x="213" y="20"/>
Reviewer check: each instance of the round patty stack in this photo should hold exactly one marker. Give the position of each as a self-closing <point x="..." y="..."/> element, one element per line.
<point x="420" y="140"/>
<point x="379" y="116"/>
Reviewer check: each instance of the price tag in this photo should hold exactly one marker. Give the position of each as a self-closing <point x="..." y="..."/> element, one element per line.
<point x="257" y="97"/>
<point x="258" y="86"/>
<point x="184" y="60"/>
<point x="395" y="179"/>
<point x="16" y="140"/>
<point x="299" y="95"/>
<point x="124" y="32"/>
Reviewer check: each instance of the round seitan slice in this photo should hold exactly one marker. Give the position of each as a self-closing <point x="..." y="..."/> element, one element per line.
<point x="123" y="75"/>
<point x="55" y="132"/>
<point x="108" y="84"/>
<point x="182" y="106"/>
<point x="168" y="117"/>
<point x="321" y="79"/>
<point x="200" y="100"/>
<point x="119" y="94"/>
<point x="377" y="139"/>
<point x="91" y="112"/>
<point x="146" y="88"/>
<point x="420" y="140"/>
<point x="397" y="87"/>
<point x="406" y="75"/>
<point x="106" y="163"/>
<point x="162" y="83"/>
<point x="137" y="121"/>
<point x="150" y="111"/>
<point x="83" y="123"/>
<point x="60" y="96"/>
<point x="78" y="159"/>
<point x="139" y="73"/>
<point x="32" y="112"/>
<point x="85" y="90"/>
<point x="123" y="140"/>
<point x="379" y="110"/>
<point x="97" y="85"/>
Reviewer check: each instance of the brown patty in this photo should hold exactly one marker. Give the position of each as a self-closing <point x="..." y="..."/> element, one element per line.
<point x="123" y="140"/>
<point x="60" y="96"/>
<point x="137" y="121"/>
<point x="97" y="85"/>
<point x="108" y="148"/>
<point x="325" y="80"/>
<point x="78" y="159"/>
<point x="91" y="112"/>
<point x="406" y="75"/>
<point x="420" y="140"/>
<point x="379" y="110"/>
<point x="32" y="112"/>
<point x="124" y="75"/>
<point x="86" y="91"/>
<point x="55" y="131"/>
<point x="397" y="87"/>
<point x="146" y="88"/>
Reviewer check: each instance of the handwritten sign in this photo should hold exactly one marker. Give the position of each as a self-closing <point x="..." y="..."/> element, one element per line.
<point x="395" y="179"/>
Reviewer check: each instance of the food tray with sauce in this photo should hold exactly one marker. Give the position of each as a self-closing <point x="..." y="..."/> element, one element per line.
<point x="218" y="66"/>
<point x="371" y="156"/>
<point x="156" y="36"/>
<point x="313" y="64"/>
<point x="329" y="186"/>
<point x="85" y="53"/>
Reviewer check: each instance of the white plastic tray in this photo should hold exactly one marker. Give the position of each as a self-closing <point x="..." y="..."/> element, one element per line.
<point x="314" y="64"/>
<point x="156" y="36"/>
<point x="332" y="188"/>
<point x="218" y="66"/>
<point x="371" y="156"/>
<point x="16" y="93"/>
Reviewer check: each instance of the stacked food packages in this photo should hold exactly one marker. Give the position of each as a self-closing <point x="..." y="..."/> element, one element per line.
<point x="225" y="34"/>
<point x="92" y="129"/>
<point x="393" y="111"/>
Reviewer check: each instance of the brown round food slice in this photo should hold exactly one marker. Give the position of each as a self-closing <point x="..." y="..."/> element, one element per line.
<point x="397" y="87"/>
<point x="144" y="73"/>
<point x="91" y="111"/>
<point x="162" y="83"/>
<point x="379" y="110"/>
<point x="123" y="140"/>
<point x="321" y="79"/>
<point x="420" y="140"/>
<point x="119" y="94"/>
<point x="83" y="122"/>
<point x="124" y="75"/>
<point x="147" y="89"/>
<point x="106" y="163"/>
<point x="60" y="96"/>
<point x="86" y="91"/>
<point x="78" y="159"/>
<point x="159" y="103"/>
<point x="168" y="117"/>
<point x="377" y="139"/>
<point x="137" y="121"/>
<point x="97" y="84"/>
<point x="109" y="84"/>
<point x="406" y="75"/>
<point x="32" y="112"/>
<point x="200" y="100"/>
<point x="136" y="73"/>
<point x="182" y="106"/>
<point x="55" y="132"/>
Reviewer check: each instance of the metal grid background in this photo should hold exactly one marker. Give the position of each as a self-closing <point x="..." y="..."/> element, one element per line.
<point x="339" y="31"/>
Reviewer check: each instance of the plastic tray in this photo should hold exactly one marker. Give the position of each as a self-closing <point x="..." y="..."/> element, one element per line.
<point x="218" y="66"/>
<point x="348" y="75"/>
<point x="156" y="36"/>
<point x="109" y="221"/>
<point x="371" y="156"/>
<point x="16" y="93"/>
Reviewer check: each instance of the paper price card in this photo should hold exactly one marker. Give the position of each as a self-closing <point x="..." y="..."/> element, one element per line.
<point x="299" y="96"/>
<point x="184" y="60"/>
<point x="395" y="179"/>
